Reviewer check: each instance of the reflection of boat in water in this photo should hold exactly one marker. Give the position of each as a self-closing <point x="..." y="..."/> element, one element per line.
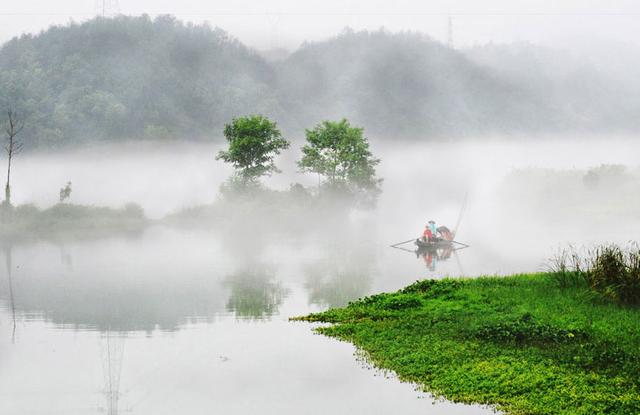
<point x="434" y="250"/>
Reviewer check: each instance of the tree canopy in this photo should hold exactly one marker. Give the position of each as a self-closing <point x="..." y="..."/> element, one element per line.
<point x="254" y="141"/>
<point x="340" y="153"/>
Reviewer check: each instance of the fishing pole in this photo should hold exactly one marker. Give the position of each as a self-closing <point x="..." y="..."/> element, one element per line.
<point x="460" y="243"/>
<point x="462" y="209"/>
<point x="404" y="242"/>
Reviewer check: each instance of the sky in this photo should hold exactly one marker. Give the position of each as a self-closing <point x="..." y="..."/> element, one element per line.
<point x="271" y="24"/>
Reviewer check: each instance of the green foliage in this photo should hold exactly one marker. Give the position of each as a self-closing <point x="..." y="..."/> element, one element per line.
<point x="138" y="77"/>
<point x="340" y="153"/>
<point x="566" y="268"/>
<point x="526" y="330"/>
<point x="608" y="270"/>
<point x="520" y="343"/>
<point x="254" y="141"/>
<point x="616" y="273"/>
<point x="130" y="77"/>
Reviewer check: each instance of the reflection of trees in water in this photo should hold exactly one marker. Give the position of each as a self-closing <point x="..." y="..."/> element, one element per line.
<point x="123" y="306"/>
<point x="343" y="275"/>
<point x="103" y="301"/>
<point x="254" y="293"/>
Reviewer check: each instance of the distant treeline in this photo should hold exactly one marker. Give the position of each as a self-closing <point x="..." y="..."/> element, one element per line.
<point x="136" y="77"/>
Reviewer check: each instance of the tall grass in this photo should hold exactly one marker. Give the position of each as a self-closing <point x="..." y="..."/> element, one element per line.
<point x="609" y="270"/>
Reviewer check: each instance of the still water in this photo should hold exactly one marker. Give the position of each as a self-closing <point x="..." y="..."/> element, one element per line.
<point x="170" y="320"/>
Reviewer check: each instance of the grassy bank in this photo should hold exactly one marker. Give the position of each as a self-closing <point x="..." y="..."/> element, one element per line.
<point x="521" y="343"/>
<point x="28" y="221"/>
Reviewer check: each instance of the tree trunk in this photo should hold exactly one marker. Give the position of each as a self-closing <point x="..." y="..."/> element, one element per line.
<point x="7" y="188"/>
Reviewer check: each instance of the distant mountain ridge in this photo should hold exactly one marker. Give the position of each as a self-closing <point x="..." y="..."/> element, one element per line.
<point x="137" y="77"/>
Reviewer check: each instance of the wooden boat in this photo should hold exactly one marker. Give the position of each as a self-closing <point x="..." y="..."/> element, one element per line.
<point x="433" y="244"/>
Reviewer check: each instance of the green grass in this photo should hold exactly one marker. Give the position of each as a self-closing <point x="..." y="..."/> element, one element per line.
<point x="521" y="343"/>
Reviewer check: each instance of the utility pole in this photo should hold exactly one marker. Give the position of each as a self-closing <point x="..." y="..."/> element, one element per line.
<point x="450" y="32"/>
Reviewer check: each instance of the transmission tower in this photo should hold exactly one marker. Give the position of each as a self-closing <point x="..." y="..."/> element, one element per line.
<point x="112" y="351"/>
<point x="106" y="8"/>
<point x="450" y="32"/>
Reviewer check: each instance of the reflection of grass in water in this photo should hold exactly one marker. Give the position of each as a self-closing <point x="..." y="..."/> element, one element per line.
<point x="254" y="294"/>
<point x="521" y="343"/>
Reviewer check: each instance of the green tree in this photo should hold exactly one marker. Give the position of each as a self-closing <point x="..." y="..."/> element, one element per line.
<point x="254" y="141"/>
<point x="340" y="153"/>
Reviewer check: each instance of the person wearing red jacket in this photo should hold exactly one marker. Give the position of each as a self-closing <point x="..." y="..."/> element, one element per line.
<point x="427" y="235"/>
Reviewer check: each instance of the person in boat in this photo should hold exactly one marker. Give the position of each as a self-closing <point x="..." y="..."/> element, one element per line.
<point x="432" y="226"/>
<point x="434" y="231"/>
<point x="427" y="235"/>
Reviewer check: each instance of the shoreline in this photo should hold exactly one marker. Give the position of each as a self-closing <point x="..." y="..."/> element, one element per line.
<point x="521" y="344"/>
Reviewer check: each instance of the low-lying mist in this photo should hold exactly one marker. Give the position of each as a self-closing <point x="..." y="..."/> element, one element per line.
<point x="520" y="195"/>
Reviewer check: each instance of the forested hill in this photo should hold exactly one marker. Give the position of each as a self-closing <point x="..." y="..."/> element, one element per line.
<point x="121" y="78"/>
<point x="403" y="85"/>
<point x="134" y="77"/>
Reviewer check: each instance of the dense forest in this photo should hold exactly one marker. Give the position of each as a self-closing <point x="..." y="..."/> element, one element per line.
<point x="136" y="77"/>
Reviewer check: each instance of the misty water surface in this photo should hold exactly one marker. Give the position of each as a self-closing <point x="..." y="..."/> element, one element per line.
<point x="194" y="320"/>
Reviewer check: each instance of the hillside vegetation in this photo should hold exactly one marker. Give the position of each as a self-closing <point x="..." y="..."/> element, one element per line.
<point x="137" y="77"/>
<point x="131" y="78"/>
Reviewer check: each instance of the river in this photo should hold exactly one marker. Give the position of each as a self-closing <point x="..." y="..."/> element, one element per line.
<point x="170" y="319"/>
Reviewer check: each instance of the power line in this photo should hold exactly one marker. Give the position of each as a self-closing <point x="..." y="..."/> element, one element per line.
<point x="332" y="14"/>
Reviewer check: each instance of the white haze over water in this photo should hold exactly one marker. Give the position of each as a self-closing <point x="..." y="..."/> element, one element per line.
<point x="422" y="181"/>
<point x="196" y="320"/>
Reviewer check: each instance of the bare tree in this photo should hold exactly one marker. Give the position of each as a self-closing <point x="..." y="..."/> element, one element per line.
<point x="13" y="146"/>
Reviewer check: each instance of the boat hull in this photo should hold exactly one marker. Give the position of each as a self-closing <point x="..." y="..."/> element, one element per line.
<point x="426" y="245"/>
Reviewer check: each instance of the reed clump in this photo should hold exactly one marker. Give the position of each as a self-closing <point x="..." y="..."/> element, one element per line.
<point x="609" y="270"/>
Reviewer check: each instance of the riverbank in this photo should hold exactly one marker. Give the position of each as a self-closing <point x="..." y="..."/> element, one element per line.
<point x="522" y="343"/>
<point x="64" y="220"/>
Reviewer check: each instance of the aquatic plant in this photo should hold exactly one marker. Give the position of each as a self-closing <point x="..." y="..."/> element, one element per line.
<point x="521" y="343"/>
